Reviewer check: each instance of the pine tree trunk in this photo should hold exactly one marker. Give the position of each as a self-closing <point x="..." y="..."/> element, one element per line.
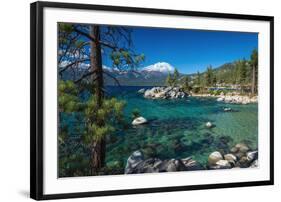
<point x="96" y="63"/>
<point x="97" y="156"/>
<point x="98" y="150"/>
<point x="254" y="80"/>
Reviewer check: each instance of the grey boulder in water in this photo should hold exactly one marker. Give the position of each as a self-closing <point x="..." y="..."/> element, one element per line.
<point x="139" y="120"/>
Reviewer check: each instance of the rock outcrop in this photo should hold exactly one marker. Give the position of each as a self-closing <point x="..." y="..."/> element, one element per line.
<point x="165" y="93"/>
<point x="237" y="99"/>
<point x="136" y="164"/>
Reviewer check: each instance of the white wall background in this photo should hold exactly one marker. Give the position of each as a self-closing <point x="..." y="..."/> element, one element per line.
<point x="14" y="100"/>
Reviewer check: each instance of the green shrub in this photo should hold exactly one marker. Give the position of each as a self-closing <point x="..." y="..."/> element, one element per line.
<point x="196" y="89"/>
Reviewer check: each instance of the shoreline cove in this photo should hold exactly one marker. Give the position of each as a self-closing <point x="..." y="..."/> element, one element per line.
<point x="187" y="135"/>
<point x="174" y="132"/>
<point x="178" y="92"/>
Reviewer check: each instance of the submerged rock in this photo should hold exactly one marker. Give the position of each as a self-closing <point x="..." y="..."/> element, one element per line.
<point x="207" y="139"/>
<point x="141" y="90"/>
<point x="138" y="121"/>
<point x="227" y="109"/>
<point x="178" y="146"/>
<point x="209" y="125"/>
<point x="220" y="99"/>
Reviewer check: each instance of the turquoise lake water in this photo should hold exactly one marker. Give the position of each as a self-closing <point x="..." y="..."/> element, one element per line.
<point x="176" y="128"/>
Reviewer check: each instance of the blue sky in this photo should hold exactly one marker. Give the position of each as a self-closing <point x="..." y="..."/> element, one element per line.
<point x="192" y="50"/>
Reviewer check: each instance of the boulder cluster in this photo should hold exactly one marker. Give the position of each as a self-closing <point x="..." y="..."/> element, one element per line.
<point x="137" y="164"/>
<point x="164" y="93"/>
<point x="240" y="156"/>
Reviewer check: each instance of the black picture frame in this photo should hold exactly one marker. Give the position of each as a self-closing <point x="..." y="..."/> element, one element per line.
<point x="36" y="99"/>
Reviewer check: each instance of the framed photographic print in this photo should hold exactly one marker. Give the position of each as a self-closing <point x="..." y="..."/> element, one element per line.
<point x="135" y="100"/>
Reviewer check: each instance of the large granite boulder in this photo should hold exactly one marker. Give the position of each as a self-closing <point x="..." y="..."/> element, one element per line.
<point x="133" y="161"/>
<point x="214" y="158"/>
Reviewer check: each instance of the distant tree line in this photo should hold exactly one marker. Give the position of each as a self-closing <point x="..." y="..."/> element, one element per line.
<point x="241" y="73"/>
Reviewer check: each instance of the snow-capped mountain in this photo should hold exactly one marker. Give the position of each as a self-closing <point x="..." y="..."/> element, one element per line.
<point x="162" y="67"/>
<point x="151" y="75"/>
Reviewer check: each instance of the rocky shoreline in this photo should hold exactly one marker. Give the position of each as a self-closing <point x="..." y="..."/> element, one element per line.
<point x="240" y="156"/>
<point x="231" y="98"/>
<point x="237" y="99"/>
<point x="178" y="92"/>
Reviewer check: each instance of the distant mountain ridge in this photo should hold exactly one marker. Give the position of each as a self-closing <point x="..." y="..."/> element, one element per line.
<point x="156" y="74"/>
<point x="152" y="75"/>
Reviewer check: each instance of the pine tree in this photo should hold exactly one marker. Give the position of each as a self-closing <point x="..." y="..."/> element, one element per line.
<point x="198" y="78"/>
<point x="186" y="84"/>
<point x="175" y="77"/>
<point x="82" y="45"/>
<point x="172" y="80"/>
<point x="254" y="64"/>
<point x="209" y="76"/>
<point x="242" y="69"/>
<point x="198" y="83"/>
<point x="214" y="80"/>
<point x="169" y="80"/>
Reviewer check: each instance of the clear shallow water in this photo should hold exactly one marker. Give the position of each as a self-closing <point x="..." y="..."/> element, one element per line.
<point x="176" y="128"/>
